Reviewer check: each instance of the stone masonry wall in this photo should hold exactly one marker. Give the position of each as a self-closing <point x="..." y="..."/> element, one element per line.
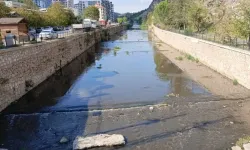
<point x="23" y="68"/>
<point x="231" y="62"/>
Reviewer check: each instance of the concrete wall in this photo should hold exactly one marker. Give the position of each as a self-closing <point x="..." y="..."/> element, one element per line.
<point x="231" y="62"/>
<point x="23" y="68"/>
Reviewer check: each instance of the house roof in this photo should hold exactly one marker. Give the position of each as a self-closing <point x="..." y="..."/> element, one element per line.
<point x="10" y="20"/>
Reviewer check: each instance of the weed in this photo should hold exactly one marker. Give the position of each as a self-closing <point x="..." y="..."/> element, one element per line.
<point x="243" y="141"/>
<point x="117" y="48"/>
<point x="235" y="82"/>
<point x="197" y="60"/>
<point x="180" y="58"/>
<point x="190" y="57"/>
<point x="127" y="52"/>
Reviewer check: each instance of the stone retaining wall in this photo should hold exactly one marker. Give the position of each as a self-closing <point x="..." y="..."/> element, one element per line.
<point x="231" y="62"/>
<point x="23" y="68"/>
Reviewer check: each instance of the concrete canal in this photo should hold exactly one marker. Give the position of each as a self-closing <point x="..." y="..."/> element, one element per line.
<point x="108" y="89"/>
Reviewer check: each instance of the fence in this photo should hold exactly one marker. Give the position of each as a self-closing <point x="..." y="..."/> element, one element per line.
<point x="234" y="42"/>
<point x="13" y="41"/>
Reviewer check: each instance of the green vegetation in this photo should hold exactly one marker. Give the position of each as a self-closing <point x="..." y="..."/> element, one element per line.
<point x="235" y="82"/>
<point x="243" y="141"/>
<point x="117" y="48"/>
<point x="223" y="21"/>
<point x="4" y="10"/>
<point x="55" y="16"/>
<point x="91" y="12"/>
<point x="122" y="20"/>
<point x="180" y="58"/>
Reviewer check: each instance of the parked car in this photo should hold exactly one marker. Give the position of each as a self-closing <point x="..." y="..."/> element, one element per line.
<point x="39" y="30"/>
<point x="32" y="34"/>
<point x="58" y="28"/>
<point x="48" y="34"/>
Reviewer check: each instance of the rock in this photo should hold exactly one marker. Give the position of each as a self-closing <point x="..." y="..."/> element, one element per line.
<point x="64" y="140"/>
<point x="236" y="148"/>
<point x="246" y="146"/>
<point x="151" y="108"/>
<point x="98" y="141"/>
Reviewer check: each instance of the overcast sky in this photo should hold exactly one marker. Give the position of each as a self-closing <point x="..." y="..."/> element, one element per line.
<point x="122" y="6"/>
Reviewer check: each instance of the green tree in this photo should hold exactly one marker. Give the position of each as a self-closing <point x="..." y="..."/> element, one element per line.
<point x="161" y="12"/>
<point x="4" y="10"/>
<point x="241" y="20"/>
<point x="91" y="12"/>
<point x="125" y="19"/>
<point x="199" y="17"/>
<point x="57" y="15"/>
<point x="120" y="20"/>
<point x="33" y="17"/>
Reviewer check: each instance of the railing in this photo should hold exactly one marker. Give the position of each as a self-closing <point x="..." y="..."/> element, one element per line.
<point x="229" y="41"/>
<point x="13" y="41"/>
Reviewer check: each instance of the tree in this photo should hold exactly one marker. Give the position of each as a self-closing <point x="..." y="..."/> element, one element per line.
<point x="120" y="20"/>
<point x="242" y="20"/>
<point x="124" y="19"/>
<point x="199" y="16"/>
<point x="33" y="17"/>
<point x="57" y="15"/>
<point x="4" y="10"/>
<point x="161" y="12"/>
<point x="91" y="12"/>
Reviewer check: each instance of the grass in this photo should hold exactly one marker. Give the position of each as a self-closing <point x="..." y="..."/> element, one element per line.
<point x="243" y="141"/>
<point x="127" y="52"/>
<point x="192" y="58"/>
<point x="180" y="58"/>
<point x="117" y="48"/>
<point x="235" y="82"/>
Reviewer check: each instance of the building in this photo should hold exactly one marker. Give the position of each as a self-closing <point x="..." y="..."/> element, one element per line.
<point x="102" y="13"/>
<point x="15" y="26"/>
<point x="108" y="5"/>
<point x="13" y="4"/>
<point x="66" y="3"/>
<point x="80" y="6"/>
<point x="43" y="3"/>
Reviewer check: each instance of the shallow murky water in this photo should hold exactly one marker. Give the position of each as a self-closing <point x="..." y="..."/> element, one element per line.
<point x="125" y="72"/>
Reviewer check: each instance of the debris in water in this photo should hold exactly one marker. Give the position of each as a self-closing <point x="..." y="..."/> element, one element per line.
<point x="100" y="66"/>
<point x="64" y="140"/>
<point x="98" y="141"/>
<point x="231" y="122"/>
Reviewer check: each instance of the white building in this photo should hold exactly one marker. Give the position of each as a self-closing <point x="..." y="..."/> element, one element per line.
<point x="80" y="6"/>
<point x="102" y="12"/>
<point x="13" y="4"/>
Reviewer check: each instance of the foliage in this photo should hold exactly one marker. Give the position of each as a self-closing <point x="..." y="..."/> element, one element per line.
<point x="58" y="16"/>
<point x="120" y="20"/>
<point x="199" y="16"/>
<point x="4" y="10"/>
<point x="91" y="12"/>
<point x="235" y="82"/>
<point x="123" y="20"/>
<point x="161" y="12"/>
<point x="33" y="17"/>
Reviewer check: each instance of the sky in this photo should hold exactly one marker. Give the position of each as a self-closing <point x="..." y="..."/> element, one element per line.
<point x="123" y="6"/>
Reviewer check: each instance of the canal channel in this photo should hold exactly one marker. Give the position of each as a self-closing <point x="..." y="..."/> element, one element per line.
<point x="125" y="72"/>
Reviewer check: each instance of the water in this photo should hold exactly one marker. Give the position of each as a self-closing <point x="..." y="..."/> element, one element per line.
<point x="134" y="74"/>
